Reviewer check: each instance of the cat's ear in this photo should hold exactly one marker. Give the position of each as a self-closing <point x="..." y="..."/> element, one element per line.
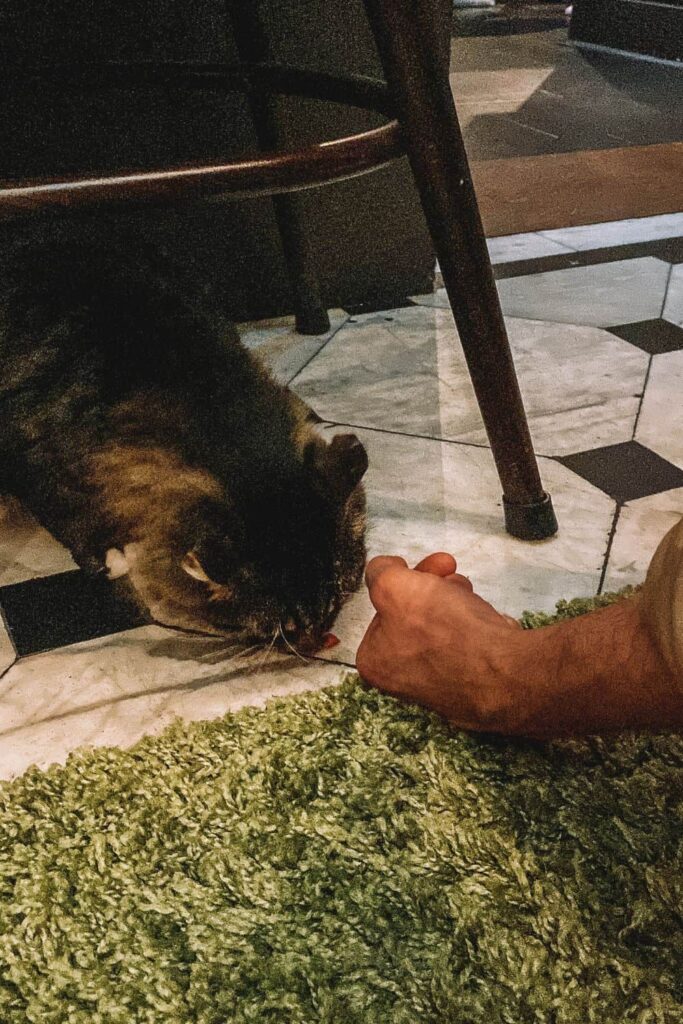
<point x="193" y="567"/>
<point x="211" y="559"/>
<point x="212" y="534"/>
<point x="341" y="464"/>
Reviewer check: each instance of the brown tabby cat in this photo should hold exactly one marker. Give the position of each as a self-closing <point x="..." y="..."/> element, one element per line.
<point x="148" y="440"/>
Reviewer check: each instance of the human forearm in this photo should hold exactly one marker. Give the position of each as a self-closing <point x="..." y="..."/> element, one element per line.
<point x="601" y="672"/>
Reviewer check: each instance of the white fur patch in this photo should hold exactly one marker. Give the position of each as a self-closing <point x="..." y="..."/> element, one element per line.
<point x="116" y="563"/>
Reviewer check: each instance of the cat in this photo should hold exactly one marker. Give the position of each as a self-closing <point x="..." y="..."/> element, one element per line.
<point x="146" y="438"/>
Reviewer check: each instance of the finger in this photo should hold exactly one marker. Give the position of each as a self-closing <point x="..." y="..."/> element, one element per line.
<point x="385" y="576"/>
<point x="440" y="564"/>
<point x="458" y="580"/>
<point x="376" y="566"/>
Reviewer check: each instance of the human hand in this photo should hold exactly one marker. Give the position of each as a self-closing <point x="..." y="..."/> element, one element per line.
<point x="434" y="641"/>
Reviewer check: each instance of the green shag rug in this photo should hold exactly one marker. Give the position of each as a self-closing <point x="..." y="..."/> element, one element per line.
<point x="339" y="857"/>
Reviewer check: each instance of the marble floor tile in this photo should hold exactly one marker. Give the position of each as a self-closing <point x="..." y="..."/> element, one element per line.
<point x="673" y="306"/>
<point x="640" y="527"/>
<point x="618" y="232"/>
<point x="284" y="351"/>
<point x="580" y="389"/>
<point x="502" y="91"/>
<point x="503" y="85"/>
<point x="26" y="549"/>
<point x="660" y="424"/>
<point x="426" y="496"/>
<point x="405" y="370"/>
<point x="7" y="652"/>
<point x="117" y="689"/>
<point x="381" y="370"/>
<point x="601" y="295"/>
<point x="509" y="248"/>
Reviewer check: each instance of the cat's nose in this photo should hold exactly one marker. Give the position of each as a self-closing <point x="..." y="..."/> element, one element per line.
<point x="307" y="643"/>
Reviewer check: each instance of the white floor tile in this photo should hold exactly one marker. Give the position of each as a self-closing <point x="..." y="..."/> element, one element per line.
<point x="117" y="689"/>
<point x="26" y="549"/>
<point x="509" y="248"/>
<point x="284" y="351"/>
<point x="503" y="91"/>
<point x="7" y="655"/>
<point x="619" y="232"/>
<point x="641" y="526"/>
<point x="660" y="425"/>
<point x="603" y="295"/>
<point x="673" y="307"/>
<point x="405" y="371"/>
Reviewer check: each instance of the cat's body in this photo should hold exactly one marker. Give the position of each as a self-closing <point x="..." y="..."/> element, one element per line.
<point x="147" y="439"/>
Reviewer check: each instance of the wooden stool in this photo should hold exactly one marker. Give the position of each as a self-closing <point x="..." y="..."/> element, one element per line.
<point x="423" y="124"/>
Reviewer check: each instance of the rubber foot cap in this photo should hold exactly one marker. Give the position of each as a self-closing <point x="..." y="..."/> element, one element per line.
<point x="536" y="521"/>
<point x="312" y="321"/>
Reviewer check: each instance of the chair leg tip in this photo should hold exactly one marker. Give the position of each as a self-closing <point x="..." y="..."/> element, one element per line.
<point x="534" y="521"/>
<point x="313" y="321"/>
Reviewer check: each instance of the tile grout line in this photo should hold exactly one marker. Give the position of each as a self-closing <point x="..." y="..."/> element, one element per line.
<point x="437" y="440"/>
<point x="608" y="551"/>
<point x="546" y="235"/>
<point x="642" y="398"/>
<point x="403" y="433"/>
<point x="317" y="352"/>
<point x="666" y="291"/>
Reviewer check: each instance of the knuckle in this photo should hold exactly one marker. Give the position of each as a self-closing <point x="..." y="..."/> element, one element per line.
<point x="386" y="587"/>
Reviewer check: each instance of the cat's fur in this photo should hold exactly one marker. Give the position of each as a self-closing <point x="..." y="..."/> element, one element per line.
<point x="141" y="432"/>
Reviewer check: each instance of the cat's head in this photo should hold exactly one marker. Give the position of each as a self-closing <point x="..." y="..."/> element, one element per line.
<point x="274" y="559"/>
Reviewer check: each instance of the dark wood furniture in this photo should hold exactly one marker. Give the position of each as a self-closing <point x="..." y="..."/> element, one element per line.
<point x="421" y="122"/>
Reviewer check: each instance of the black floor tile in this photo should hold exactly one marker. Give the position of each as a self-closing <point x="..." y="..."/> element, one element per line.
<point x="625" y="471"/>
<point x="629" y="251"/>
<point x="669" y="249"/>
<point x="653" y="336"/>
<point x="539" y="265"/>
<point x="662" y="249"/>
<point x="66" y="608"/>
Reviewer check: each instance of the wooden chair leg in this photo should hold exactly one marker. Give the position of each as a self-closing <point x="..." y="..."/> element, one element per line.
<point x="253" y="46"/>
<point x="428" y="118"/>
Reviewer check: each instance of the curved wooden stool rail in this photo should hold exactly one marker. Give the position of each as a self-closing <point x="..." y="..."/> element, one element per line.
<point x="267" y="174"/>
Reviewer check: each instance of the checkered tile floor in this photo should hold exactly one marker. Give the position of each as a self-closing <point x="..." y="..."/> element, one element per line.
<point x="595" y="317"/>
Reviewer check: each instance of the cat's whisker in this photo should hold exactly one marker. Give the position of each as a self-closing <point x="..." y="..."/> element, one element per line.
<point x="233" y="654"/>
<point x="292" y="648"/>
<point x="269" y="649"/>
<point x="246" y="652"/>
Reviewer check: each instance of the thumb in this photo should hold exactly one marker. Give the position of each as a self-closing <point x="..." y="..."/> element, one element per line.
<point x="378" y="565"/>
